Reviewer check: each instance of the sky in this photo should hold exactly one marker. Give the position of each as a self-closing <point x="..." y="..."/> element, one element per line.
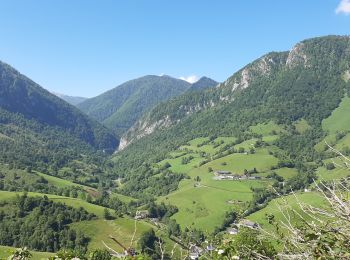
<point x="85" y="47"/>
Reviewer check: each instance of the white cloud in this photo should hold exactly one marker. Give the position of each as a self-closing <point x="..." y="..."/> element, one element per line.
<point x="343" y="7"/>
<point x="191" y="79"/>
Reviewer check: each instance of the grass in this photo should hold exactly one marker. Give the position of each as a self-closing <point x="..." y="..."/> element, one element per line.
<point x="58" y="182"/>
<point x="246" y="144"/>
<point x="311" y="198"/>
<point x="286" y="173"/>
<point x="73" y="202"/>
<point x="237" y="163"/>
<point x="177" y="166"/>
<point x="122" y="229"/>
<point x="339" y="120"/>
<point x="204" y="207"/>
<point x="270" y="138"/>
<point x="210" y="148"/>
<point x="302" y="125"/>
<point x="99" y="229"/>
<point x="327" y="175"/>
<point x="123" y="198"/>
<point x="343" y="143"/>
<point x="65" y="183"/>
<point x="266" y="129"/>
<point x="6" y="251"/>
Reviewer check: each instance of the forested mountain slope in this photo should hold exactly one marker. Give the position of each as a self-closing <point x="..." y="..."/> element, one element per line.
<point x="122" y="106"/>
<point x="307" y="82"/>
<point x="36" y="126"/>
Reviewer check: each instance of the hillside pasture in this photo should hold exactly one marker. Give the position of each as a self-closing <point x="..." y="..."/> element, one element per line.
<point x="6" y="251"/>
<point x="339" y="120"/>
<point x="275" y="206"/>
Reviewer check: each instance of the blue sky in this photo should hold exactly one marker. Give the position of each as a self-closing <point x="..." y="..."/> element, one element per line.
<point x="87" y="47"/>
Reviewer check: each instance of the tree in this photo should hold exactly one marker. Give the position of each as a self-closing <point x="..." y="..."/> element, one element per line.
<point x="100" y="254"/>
<point x="330" y="166"/>
<point x="21" y="254"/>
<point x="106" y="214"/>
<point x="173" y="228"/>
<point x="147" y="241"/>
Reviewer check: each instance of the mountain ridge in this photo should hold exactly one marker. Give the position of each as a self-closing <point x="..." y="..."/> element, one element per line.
<point x="166" y="115"/>
<point x="120" y="107"/>
<point x="73" y="100"/>
<point x="32" y="117"/>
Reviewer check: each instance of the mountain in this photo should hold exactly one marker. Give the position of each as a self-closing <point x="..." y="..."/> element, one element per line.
<point x="307" y="82"/>
<point x="122" y="106"/>
<point x="36" y="126"/>
<point x="203" y="83"/>
<point x="70" y="99"/>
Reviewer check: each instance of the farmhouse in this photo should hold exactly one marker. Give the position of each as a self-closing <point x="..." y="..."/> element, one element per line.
<point x="217" y="173"/>
<point x="141" y="214"/>
<point x="254" y="178"/>
<point x="249" y="224"/>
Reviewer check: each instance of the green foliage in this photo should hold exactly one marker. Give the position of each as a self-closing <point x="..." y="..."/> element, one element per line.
<point x="247" y="244"/>
<point x="284" y="95"/>
<point x="122" y="106"/>
<point x="41" y="224"/>
<point x="21" y="254"/>
<point x="100" y="254"/>
<point x="147" y="242"/>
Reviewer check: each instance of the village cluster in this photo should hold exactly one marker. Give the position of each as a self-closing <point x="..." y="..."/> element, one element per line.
<point x="227" y="175"/>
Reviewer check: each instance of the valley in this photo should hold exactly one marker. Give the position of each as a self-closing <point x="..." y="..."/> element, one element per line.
<point x="197" y="160"/>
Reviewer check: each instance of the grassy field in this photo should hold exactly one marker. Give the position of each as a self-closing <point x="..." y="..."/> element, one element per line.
<point x="58" y="182"/>
<point x="73" y="202"/>
<point x="302" y="125"/>
<point x="204" y="206"/>
<point x="177" y="166"/>
<point x="98" y="229"/>
<point x="326" y="175"/>
<point x="311" y="198"/>
<point x="6" y="251"/>
<point x="196" y="145"/>
<point x="237" y="163"/>
<point x="339" y="119"/>
<point x="122" y="229"/>
<point x="286" y="173"/>
<point x="266" y="128"/>
<point x="123" y="198"/>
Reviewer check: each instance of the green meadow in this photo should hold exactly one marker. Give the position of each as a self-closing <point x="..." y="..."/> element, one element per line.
<point x="266" y="129"/>
<point x="73" y="202"/>
<point x="282" y="204"/>
<point x="6" y="251"/>
<point x="339" y="119"/>
<point x="58" y="182"/>
<point x="204" y="205"/>
<point x="122" y="229"/>
<point x="98" y="229"/>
